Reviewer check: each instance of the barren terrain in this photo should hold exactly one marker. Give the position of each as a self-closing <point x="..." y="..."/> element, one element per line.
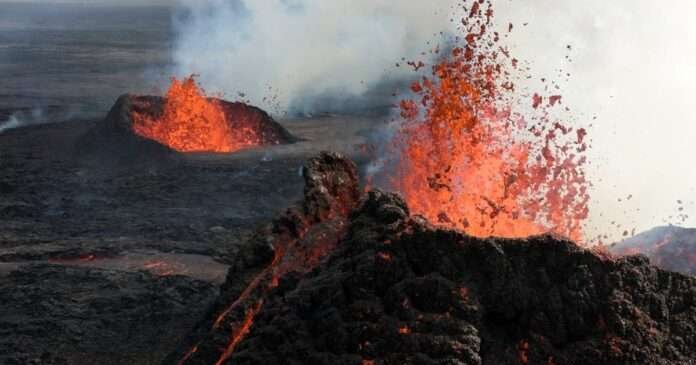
<point x="114" y="263"/>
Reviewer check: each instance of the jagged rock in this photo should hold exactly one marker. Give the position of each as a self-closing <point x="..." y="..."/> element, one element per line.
<point x="393" y="289"/>
<point x="291" y="245"/>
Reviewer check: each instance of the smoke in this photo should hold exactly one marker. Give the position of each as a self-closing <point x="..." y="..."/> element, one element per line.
<point x="36" y="116"/>
<point x="23" y="118"/>
<point x="305" y="56"/>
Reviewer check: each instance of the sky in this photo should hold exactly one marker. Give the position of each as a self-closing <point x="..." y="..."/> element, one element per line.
<point x="633" y="66"/>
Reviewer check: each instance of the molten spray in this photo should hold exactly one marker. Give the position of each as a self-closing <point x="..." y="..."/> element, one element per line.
<point x="466" y="159"/>
<point x="192" y="122"/>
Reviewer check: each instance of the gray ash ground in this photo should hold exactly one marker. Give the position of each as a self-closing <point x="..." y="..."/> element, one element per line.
<point x="115" y="263"/>
<point x="68" y="59"/>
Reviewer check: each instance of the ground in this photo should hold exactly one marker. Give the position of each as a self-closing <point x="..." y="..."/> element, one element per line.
<point x="115" y="264"/>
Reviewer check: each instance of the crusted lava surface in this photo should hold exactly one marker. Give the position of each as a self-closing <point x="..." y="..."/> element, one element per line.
<point x="83" y="315"/>
<point x="379" y="286"/>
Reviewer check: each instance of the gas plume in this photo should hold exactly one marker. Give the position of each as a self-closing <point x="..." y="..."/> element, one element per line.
<point x="304" y="56"/>
<point x="35" y="116"/>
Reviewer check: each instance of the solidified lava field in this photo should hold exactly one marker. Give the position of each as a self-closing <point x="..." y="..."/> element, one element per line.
<point x="110" y="263"/>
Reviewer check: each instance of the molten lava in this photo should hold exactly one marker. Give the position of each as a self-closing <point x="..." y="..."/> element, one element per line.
<point x="192" y="122"/>
<point x="467" y="160"/>
<point x="303" y="238"/>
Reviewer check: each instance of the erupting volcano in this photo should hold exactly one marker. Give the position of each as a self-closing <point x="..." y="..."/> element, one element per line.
<point x="465" y="158"/>
<point x="433" y="216"/>
<point x="189" y="121"/>
<point x="345" y="278"/>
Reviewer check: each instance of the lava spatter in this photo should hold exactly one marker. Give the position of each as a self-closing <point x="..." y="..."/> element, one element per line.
<point x="192" y="122"/>
<point x="466" y="158"/>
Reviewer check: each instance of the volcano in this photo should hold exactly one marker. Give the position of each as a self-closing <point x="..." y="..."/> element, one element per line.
<point x="352" y="278"/>
<point x="670" y="247"/>
<point x="184" y="120"/>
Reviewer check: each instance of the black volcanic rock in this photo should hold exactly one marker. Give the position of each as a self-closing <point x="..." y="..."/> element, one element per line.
<point x="670" y="248"/>
<point x="114" y="137"/>
<point x="58" y="315"/>
<point x="393" y="289"/>
<point x="114" y="140"/>
<point x="291" y="245"/>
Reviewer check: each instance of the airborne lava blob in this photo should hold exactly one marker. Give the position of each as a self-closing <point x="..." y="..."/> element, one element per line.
<point x="192" y="122"/>
<point x="466" y="159"/>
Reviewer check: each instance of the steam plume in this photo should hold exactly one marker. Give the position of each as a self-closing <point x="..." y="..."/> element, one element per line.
<point x="303" y="52"/>
<point x="24" y="118"/>
<point x="40" y="115"/>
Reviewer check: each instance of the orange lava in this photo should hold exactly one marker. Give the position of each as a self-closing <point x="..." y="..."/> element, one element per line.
<point x="467" y="160"/>
<point x="188" y="355"/>
<point x="240" y="332"/>
<point x="288" y="257"/>
<point x="523" y="352"/>
<point x="192" y="122"/>
<point x="160" y="268"/>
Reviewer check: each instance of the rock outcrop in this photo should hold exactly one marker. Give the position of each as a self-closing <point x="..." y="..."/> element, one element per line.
<point x="337" y="281"/>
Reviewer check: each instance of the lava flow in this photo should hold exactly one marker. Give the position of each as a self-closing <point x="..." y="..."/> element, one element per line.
<point x="302" y="238"/>
<point x="192" y="122"/>
<point x="467" y="160"/>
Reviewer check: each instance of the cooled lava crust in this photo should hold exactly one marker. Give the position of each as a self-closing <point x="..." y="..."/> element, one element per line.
<point x="351" y="278"/>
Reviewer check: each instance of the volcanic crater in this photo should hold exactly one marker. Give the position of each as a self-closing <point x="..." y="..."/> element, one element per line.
<point x="185" y="120"/>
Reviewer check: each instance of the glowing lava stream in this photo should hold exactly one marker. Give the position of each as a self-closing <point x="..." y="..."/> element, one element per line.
<point x="240" y="332"/>
<point x="308" y="257"/>
<point x="287" y="257"/>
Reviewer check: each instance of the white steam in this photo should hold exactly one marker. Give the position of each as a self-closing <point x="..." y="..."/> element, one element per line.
<point x="23" y="118"/>
<point x="301" y="51"/>
<point x="39" y="115"/>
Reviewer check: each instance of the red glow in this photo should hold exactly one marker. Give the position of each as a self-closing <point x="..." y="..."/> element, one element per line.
<point x="192" y="122"/>
<point x="288" y="257"/>
<point x="523" y="352"/>
<point x="160" y="268"/>
<point x="188" y="355"/>
<point x="240" y="332"/>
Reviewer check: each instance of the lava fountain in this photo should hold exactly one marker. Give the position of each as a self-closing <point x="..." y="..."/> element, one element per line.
<point x="466" y="159"/>
<point x="189" y="121"/>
